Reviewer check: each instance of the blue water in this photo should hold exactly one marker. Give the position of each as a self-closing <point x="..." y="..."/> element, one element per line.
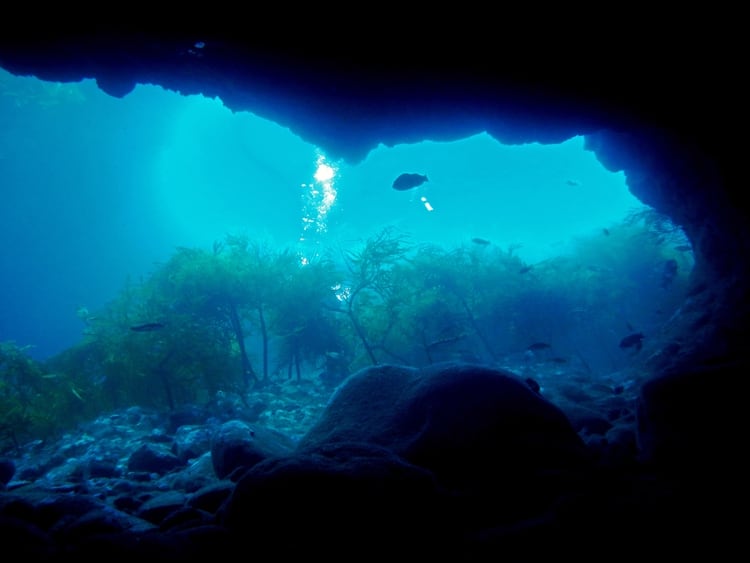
<point x="97" y="191"/>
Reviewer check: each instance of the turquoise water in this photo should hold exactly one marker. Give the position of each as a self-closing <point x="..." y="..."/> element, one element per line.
<point x="220" y="171"/>
<point x="97" y="191"/>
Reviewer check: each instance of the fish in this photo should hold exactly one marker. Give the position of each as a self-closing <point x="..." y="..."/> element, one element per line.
<point x="480" y="241"/>
<point x="634" y="340"/>
<point x="538" y="346"/>
<point x="407" y="181"/>
<point x="147" y="327"/>
<point x="525" y="269"/>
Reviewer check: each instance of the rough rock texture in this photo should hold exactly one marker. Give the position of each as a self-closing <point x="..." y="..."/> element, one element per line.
<point x="690" y="420"/>
<point x="235" y="444"/>
<point x="456" y="461"/>
<point x="417" y="459"/>
<point x="469" y="425"/>
<point x="340" y="501"/>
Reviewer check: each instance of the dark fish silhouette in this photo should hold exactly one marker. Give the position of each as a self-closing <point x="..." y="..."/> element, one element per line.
<point x="408" y="181"/>
<point x="634" y="340"/>
<point x="536" y="346"/>
<point x="480" y="241"/>
<point x="147" y="327"/>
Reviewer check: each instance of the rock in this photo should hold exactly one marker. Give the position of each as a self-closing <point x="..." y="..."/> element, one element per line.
<point x="153" y="458"/>
<point x="469" y="424"/>
<point x="191" y="441"/>
<point x="160" y="506"/>
<point x="688" y="420"/>
<point x="236" y="445"/>
<point x="211" y="497"/>
<point x="362" y="493"/>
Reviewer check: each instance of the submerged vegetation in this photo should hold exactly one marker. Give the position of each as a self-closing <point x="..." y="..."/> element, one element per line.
<point x="238" y="316"/>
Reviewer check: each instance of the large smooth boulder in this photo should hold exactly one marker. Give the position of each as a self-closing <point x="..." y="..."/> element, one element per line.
<point x="413" y="462"/>
<point x="469" y="424"/>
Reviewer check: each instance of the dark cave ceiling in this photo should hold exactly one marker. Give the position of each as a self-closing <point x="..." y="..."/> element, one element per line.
<point x="347" y="97"/>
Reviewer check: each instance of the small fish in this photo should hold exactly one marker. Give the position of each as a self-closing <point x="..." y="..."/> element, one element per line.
<point x="606" y="232"/>
<point x="147" y="327"/>
<point x="634" y="340"/>
<point x="573" y="183"/>
<point x="408" y="181"/>
<point x="480" y="241"/>
<point x="538" y="346"/>
<point x="683" y="248"/>
<point x="76" y="393"/>
<point x="525" y="269"/>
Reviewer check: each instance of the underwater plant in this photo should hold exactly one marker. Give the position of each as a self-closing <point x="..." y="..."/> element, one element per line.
<point x="209" y="289"/>
<point x="245" y="284"/>
<point x="370" y="282"/>
<point x="187" y="332"/>
<point x="303" y="315"/>
<point x="34" y="402"/>
<point x="163" y="342"/>
<point x="477" y="284"/>
<point x="263" y="279"/>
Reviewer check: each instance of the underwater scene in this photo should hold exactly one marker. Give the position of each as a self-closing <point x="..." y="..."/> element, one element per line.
<point x="161" y="251"/>
<point x="174" y="272"/>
